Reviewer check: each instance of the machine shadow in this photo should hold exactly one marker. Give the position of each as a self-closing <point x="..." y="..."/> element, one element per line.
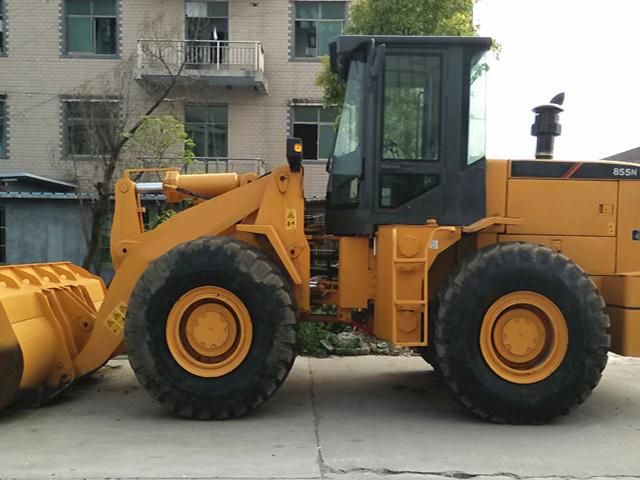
<point x="402" y="395"/>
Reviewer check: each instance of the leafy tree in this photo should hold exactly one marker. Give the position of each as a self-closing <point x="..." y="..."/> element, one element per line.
<point x="399" y="17"/>
<point x="160" y="138"/>
<point x="412" y="17"/>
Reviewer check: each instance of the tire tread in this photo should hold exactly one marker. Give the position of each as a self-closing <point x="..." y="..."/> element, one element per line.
<point x="469" y="275"/>
<point x="279" y="361"/>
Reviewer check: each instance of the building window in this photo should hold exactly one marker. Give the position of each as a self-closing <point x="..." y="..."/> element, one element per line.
<point x="91" y="126"/>
<point x="207" y="20"/>
<point x="91" y="27"/>
<point x="2" y="29"/>
<point x="3" y="236"/>
<point x="208" y="126"/>
<point x="316" y="127"/>
<point x="3" y="128"/>
<point x="317" y="24"/>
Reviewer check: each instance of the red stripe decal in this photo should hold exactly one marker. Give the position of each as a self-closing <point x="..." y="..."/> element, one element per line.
<point x="574" y="168"/>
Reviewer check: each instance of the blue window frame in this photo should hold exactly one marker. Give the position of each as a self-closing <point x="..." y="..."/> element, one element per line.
<point x="91" y="27"/>
<point x="316" y="25"/>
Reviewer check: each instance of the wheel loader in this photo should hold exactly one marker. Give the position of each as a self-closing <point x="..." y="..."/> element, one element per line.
<point x="513" y="278"/>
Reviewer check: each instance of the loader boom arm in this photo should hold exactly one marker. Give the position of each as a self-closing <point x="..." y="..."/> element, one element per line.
<point x="265" y="201"/>
<point x="57" y="321"/>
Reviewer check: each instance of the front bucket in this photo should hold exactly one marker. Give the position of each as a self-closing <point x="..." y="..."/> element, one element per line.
<point x="47" y="314"/>
<point x="11" y="364"/>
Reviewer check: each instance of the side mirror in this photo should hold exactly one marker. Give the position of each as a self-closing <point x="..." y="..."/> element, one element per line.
<point x="294" y="153"/>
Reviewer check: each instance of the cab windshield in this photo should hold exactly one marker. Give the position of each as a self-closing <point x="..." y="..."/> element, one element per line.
<point x="346" y="161"/>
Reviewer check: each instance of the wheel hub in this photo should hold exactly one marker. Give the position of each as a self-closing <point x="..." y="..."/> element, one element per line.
<point x="519" y="335"/>
<point x="524" y="337"/>
<point x="209" y="331"/>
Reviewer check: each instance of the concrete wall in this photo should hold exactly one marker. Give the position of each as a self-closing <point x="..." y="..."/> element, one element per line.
<point x="39" y="230"/>
<point x="35" y="73"/>
<point x="43" y="231"/>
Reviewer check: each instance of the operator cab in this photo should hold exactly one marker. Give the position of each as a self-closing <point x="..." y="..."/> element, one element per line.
<point x="411" y="138"/>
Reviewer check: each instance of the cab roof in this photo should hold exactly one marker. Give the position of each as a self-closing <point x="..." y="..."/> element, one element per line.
<point x="342" y="48"/>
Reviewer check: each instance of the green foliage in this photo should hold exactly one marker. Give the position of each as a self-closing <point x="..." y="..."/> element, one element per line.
<point x="160" y="219"/>
<point x="399" y="17"/>
<point x="315" y="335"/>
<point x="333" y="86"/>
<point x="160" y="138"/>
<point x="411" y="17"/>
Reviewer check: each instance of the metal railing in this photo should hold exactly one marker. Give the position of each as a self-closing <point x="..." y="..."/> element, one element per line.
<point x="167" y="56"/>
<point x="205" y="165"/>
<point x="226" y="165"/>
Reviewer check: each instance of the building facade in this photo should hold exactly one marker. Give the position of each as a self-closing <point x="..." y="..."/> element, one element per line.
<point x="246" y="79"/>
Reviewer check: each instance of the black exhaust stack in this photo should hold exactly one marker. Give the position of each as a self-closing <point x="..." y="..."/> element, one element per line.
<point x="547" y="126"/>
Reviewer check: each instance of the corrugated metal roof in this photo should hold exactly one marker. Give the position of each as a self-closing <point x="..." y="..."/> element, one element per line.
<point x="49" y="183"/>
<point x="40" y="195"/>
<point x="66" y="196"/>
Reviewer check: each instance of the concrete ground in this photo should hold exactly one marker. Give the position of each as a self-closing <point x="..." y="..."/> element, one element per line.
<point x="361" y="418"/>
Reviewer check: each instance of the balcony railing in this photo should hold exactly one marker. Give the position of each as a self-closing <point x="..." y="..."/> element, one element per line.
<point x="219" y="62"/>
<point x="226" y="165"/>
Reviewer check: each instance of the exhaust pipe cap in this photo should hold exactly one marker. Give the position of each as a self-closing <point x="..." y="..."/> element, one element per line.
<point x="547" y="126"/>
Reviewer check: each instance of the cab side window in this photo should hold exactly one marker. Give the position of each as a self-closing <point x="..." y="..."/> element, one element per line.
<point x="411" y="119"/>
<point x="411" y="125"/>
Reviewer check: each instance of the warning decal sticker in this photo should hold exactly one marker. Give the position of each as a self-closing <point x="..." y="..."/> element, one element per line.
<point x="291" y="219"/>
<point x="115" y="321"/>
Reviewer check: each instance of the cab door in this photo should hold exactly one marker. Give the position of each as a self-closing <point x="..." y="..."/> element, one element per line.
<point x="409" y="166"/>
<point x="420" y="157"/>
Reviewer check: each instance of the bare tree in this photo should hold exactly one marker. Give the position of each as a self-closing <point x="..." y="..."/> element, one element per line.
<point x="104" y="116"/>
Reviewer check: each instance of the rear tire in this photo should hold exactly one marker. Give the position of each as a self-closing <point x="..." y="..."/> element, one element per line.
<point x="219" y="374"/>
<point x="427" y="355"/>
<point x="520" y="334"/>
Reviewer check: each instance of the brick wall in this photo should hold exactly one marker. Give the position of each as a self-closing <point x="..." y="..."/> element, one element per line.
<point x="35" y="74"/>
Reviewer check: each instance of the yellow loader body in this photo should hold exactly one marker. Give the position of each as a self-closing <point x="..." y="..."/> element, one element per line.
<point x="512" y="278"/>
<point x="58" y="322"/>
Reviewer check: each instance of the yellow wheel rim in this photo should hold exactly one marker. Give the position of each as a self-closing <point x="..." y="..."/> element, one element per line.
<point x="209" y="331"/>
<point x="524" y="337"/>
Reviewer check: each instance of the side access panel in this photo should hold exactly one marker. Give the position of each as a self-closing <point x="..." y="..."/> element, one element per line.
<point x="628" y="238"/>
<point x="563" y="207"/>
<point x="354" y="276"/>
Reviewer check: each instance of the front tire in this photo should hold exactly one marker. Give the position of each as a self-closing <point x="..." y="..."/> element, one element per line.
<point x="520" y="334"/>
<point x="211" y="328"/>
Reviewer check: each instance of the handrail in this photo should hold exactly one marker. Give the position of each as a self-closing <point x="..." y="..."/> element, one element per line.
<point x="173" y="40"/>
<point x="199" y="54"/>
<point x="229" y="164"/>
<point x="208" y="164"/>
